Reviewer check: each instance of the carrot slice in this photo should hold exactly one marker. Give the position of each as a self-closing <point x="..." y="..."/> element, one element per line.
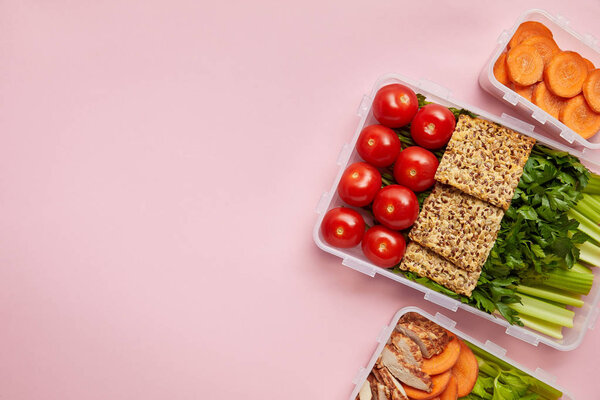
<point x="546" y="100"/>
<point x="451" y="392"/>
<point x="525" y="65"/>
<point x="589" y="64"/>
<point x="544" y="45"/>
<point x="577" y="115"/>
<point x="565" y="73"/>
<point x="439" y="384"/>
<point x="525" y="91"/>
<point x="591" y="90"/>
<point x="465" y="370"/>
<point x="443" y="361"/>
<point x="526" y="30"/>
<point x="500" y="70"/>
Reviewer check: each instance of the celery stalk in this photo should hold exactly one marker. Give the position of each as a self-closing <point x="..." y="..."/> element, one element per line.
<point x="585" y="225"/>
<point x="553" y="294"/>
<point x="547" y="328"/>
<point x="593" y="201"/>
<point x="594" y="198"/>
<point x="593" y="186"/>
<point x="589" y="253"/>
<point x="586" y="209"/>
<point x="544" y="311"/>
<point x="581" y="269"/>
<point x="570" y="280"/>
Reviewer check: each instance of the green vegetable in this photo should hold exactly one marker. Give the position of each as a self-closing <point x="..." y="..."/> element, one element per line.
<point x="500" y="380"/>
<point x="593" y="186"/>
<point x="589" y="253"/>
<point x="548" y="293"/>
<point x="539" y="325"/>
<point x="578" y="279"/>
<point x="545" y="311"/>
<point x="532" y="272"/>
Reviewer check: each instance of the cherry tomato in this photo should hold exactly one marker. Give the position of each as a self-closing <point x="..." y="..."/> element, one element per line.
<point x="378" y="145"/>
<point x="359" y="184"/>
<point x="383" y="247"/>
<point x="395" y="105"/>
<point x="343" y="227"/>
<point x="396" y="207"/>
<point x="415" y="168"/>
<point x="433" y="126"/>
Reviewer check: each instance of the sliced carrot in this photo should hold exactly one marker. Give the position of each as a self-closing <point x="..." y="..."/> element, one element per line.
<point x="439" y="384"/>
<point x="443" y="361"/>
<point x="525" y="91"/>
<point x="565" y="73"/>
<point x="465" y="370"/>
<point x="546" y="100"/>
<point x="526" y="30"/>
<point x="525" y="65"/>
<point x="577" y="115"/>
<point x="589" y="64"/>
<point x="451" y="392"/>
<point x="591" y="90"/>
<point x="544" y="45"/>
<point x="500" y="70"/>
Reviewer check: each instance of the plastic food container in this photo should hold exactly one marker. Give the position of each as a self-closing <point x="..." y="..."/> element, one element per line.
<point x="567" y="39"/>
<point x="353" y="258"/>
<point x="450" y="325"/>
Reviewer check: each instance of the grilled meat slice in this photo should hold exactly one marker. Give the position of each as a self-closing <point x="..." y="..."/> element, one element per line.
<point x="394" y="361"/>
<point x="429" y="336"/>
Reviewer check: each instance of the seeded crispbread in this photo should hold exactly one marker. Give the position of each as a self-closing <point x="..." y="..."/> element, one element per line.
<point x="425" y="262"/>
<point x="485" y="160"/>
<point x="458" y="227"/>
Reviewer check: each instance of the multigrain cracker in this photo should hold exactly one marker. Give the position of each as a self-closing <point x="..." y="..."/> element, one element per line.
<point x="485" y="160"/>
<point x="458" y="227"/>
<point x="424" y="262"/>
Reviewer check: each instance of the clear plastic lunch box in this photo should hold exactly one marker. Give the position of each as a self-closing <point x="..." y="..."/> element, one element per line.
<point x="353" y="258"/>
<point x="450" y="325"/>
<point x="567" y="39"/>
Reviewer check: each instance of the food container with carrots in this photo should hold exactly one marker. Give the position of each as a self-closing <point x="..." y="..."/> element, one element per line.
<point x="425" y="357"/>
<point x="550" y="72"/>
<point x="489" y="214"/>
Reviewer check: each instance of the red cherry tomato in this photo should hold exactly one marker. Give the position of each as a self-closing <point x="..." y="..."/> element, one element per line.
<point x="395" y="105"/>
<point x="396" y="207"/>
<point x="415" y="168"/>
<point x="343" y="227"/>
<point x="433" y="126"/>
<point x="383" y="247"/>
<point x="359" y="184"/>
<point x="378" y="145"/>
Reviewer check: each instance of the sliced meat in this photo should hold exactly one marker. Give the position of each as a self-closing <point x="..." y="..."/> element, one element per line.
<point x="409" y="349"/>
<point x="365" y="392"/>
<point x="396" y="395"/>
<point x="429" y="336"/>
<point x="384" y="376"/>
<point x="378" y="390"/>
<point x="393" y="360"/>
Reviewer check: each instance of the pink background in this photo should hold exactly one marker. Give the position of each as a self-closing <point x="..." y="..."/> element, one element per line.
<point x="159" y="166"/>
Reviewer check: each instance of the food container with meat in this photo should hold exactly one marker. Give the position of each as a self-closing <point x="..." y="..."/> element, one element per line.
<point x="549" y="72"/>
<point x="422" y="357"/>
<point x="479" y="212"/>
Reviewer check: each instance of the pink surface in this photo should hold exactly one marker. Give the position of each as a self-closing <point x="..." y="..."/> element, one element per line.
<point x="159" y="167"/>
